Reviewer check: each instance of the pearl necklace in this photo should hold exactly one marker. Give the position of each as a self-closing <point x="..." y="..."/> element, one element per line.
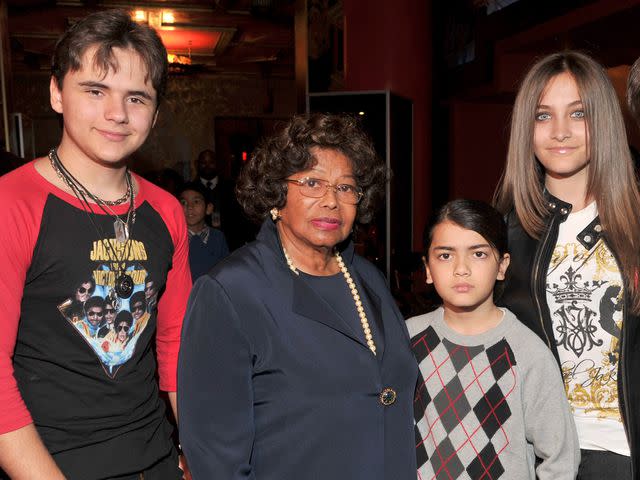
<point x="354" y="293"/>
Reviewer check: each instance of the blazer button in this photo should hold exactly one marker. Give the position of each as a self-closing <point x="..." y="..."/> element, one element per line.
<point x="388" y="396"/>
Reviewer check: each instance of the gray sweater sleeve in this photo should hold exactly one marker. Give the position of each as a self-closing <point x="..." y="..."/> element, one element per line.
<point x="548" y="421"/>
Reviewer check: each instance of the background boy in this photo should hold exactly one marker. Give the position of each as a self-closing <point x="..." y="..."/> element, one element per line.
<point x="207" y="245"/>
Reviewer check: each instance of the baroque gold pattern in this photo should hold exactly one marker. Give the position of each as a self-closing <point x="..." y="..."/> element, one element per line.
<point x="596" y="391"/>
<point x="605" y="262"/>
<point x="598" y="397"/>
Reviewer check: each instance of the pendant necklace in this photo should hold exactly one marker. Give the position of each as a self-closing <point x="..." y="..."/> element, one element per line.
<point x="364" y="322"/>
<point x="122" y="229"/>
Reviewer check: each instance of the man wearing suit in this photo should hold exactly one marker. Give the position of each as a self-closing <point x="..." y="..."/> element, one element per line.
<point x="227" y="214"/>
<point x="208" y="173"/>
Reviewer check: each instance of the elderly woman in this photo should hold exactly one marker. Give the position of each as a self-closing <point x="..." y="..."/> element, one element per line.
<point x="295" y="362"/>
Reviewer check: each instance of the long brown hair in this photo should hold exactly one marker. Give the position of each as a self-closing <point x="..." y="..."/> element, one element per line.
<point x="611" y="178"/>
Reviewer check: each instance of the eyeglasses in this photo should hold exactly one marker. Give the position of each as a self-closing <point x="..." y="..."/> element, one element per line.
<point x="316" y="188"/>
<point x="121" y="328"/>
<point x="82" y="290"/>
<point x="138" y="306"/>
<point x="92" y="313"/>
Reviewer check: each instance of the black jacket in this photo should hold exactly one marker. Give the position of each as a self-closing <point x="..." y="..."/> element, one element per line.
<point x="525" y="295"/>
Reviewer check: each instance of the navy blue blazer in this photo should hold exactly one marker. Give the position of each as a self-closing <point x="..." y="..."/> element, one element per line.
<point x="274" y="385"/>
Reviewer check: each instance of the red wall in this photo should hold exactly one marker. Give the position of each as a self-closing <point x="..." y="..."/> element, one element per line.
<point x="388" y="46"/>
<point x="479" y="136"/>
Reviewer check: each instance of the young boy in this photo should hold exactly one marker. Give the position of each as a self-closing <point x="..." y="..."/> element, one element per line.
<point x="207" y="245"/>
<point x="490" y="398"/>
<point x="72" y="405"/>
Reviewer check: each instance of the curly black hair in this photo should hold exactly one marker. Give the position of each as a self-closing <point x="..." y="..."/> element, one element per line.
<point x="261" y="184"/>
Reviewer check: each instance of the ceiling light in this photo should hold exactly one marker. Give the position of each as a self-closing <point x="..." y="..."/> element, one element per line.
<point x="168" y="17"/>
<point x="140" y="16"/>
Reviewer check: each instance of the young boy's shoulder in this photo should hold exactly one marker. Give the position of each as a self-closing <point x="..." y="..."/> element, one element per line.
<point x="418" y="324"/>
<point x="526" y="345"/>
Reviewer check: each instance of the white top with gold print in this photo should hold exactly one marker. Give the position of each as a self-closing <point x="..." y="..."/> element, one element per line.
<point x="584" y="294"/>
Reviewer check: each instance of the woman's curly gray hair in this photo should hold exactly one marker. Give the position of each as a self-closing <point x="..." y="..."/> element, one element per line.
<point x="261" y="183"/>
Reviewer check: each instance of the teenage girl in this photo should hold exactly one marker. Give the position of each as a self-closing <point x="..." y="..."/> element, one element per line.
<point x="490" y="397"/>
<point x="571" y="198"/>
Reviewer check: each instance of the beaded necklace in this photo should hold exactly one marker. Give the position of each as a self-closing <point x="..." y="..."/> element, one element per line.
<point x="364" y="322"/>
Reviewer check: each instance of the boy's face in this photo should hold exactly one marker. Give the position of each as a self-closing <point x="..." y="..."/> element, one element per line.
<point x="106" y="117"/>
<point x="122" y="331"/>
<point x="137" y="309"/>
<point x="195" y="209"/>
<point x="463" y="267"/>
<point x="95" y="315"/>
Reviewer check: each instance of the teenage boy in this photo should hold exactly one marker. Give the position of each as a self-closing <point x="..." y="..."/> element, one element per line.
<point x="207" y="245"/>
<point x="71" y="405"/>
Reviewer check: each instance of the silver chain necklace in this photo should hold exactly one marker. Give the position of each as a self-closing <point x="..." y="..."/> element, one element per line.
<point x="121" y="227"/>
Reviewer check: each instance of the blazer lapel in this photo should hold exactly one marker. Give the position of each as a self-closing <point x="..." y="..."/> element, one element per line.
<point x="309" y="304"/>
<point x="306" y="302"/>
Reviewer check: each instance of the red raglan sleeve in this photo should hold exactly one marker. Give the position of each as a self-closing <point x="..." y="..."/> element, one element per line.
<point x="20" y="219"/>
<point x="173" y="302"/>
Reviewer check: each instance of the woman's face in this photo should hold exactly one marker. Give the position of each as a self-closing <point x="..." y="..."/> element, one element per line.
<point x="319" y="223"/>
<point x="561" y="139"/>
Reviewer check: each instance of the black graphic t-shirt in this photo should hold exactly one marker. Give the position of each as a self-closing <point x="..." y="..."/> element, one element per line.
<point x="83" y="361"/>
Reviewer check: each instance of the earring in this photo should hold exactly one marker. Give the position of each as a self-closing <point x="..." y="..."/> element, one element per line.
<point x="275" y="214"/>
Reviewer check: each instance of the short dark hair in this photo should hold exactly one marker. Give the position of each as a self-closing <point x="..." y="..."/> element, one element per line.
<point x="261" y="184"/>
<point x="123" y="316"/>
<point x="197" y="187"/>
<point x="138" y="297"/>
<point x="90" y="281"/>
<point x="94" y="302"/>
<point x="633" y="90"/>
<point x="107" y="30"/>
<point x="76" y="309"/>
<point x="206" y="151"/>
<point x="474" y="215"/>
<point x="479" y="217"/>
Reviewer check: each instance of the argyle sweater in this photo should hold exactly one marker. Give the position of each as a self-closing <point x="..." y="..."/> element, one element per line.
<point x="486" y="405"/>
